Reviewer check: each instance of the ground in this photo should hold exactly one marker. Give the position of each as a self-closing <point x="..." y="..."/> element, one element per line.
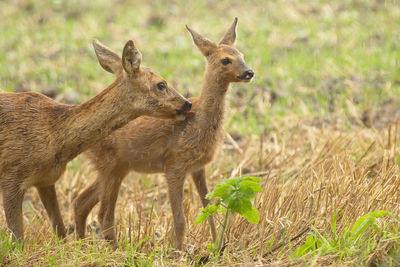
<point x="318" y="125"/>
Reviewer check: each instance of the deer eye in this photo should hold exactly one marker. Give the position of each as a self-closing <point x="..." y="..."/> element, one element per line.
<point x="161" y="86"/>
<point x="226" y="61"/>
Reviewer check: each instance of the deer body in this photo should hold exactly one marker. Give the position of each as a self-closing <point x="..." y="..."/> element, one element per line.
<point x="151" y="145"/>
<point x="176" y="148"/>
<point x="39" y="136"/>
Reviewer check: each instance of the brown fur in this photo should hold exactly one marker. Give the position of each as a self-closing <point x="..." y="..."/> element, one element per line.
<point x="176" y="148"/>
<point x="39" y="136"/>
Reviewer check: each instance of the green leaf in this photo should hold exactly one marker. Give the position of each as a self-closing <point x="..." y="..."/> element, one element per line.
<point x="252" y="178"/>
<point x="363" y="222"/>
<point x="333" y="225"/>
<point x="205" y="213"/>
<point x="210" y="246"/>
<point x="309" y="245"/>
<point x="236" y="193"/>
<point x="251" y="185"/>
<point x="322" y="242"/>
<point x="234" y="181"/>
<point x="343" y="244"/>
<point x="239" y="204"/>
<point x="252" y="215"/>
<point x="221" y="210"/>
<point x="221" y="190"/>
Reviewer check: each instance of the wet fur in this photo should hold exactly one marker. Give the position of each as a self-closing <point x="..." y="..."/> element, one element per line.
<point x="176" y="148"/>
<point x="39" y="136"/>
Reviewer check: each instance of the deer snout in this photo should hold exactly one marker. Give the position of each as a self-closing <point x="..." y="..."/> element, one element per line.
<point x="184" y="112"/>
<point x="187" y="106"/>
<point x="247" y="75"/>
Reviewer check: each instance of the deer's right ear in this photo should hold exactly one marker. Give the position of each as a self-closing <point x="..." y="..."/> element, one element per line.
<point x="108" y="59"/>
<point x="131" y="58"/>
<point x="205" y="46"/>
<point x="230" y="36"/>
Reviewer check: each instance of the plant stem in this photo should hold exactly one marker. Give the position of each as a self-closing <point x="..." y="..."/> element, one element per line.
<point x="221" y="238"/>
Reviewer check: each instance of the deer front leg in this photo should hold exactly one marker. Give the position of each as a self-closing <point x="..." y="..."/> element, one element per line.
<point x="12" y="202"/>
<point x="109" y="196"/>
<point x="175" y="181"/>
<point x="199" y="179"/>
<point x="83" y="204"/>
<point x="48" y="197"/>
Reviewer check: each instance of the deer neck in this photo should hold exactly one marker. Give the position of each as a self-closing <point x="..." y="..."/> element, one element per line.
<point x="212" y="100"/>
<point x="95" y="119"/>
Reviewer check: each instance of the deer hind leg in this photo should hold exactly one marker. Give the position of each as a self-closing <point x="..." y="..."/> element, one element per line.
<point x="83" y="204"/>
<point x="48" y="197"/>
<point x="13" y="197"/>
<point x="108" y="199"/>
<point x="199" y="179"/>
<point x="175" y="183"/>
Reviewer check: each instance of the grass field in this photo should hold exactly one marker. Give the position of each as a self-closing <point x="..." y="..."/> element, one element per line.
<point x="318" y="125"/>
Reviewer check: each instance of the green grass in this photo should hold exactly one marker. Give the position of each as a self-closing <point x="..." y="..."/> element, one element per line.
<point x="316" y="62"/>
<point x="308" y="52"/>
<point x="360" y="238"/>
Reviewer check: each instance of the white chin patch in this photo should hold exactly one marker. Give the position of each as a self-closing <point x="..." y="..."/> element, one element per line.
<point x="180" y="117"/>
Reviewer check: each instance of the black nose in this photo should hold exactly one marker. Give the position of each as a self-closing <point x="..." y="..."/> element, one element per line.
<point x="248" y="74"/>
<point x="187" y="106"/>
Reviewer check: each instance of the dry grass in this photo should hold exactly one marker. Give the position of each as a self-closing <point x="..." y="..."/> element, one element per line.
<point x="308" y="174"/>
<point x="337" y="59"/>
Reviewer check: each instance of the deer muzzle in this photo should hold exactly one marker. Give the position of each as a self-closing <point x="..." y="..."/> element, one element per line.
<point x="184" y="111"/>
<point x="247" y="75"/>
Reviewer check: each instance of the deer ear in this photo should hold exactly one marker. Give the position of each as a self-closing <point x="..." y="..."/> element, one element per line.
<point x="230" y="35"/>
<point x="131" y="58"/>
<point x="107" y="58"/>
<point x="203" y="44"/>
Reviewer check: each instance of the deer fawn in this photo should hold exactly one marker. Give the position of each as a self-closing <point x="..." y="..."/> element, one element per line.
<point x="151" y="145"/>
<point x="39" y="136"/>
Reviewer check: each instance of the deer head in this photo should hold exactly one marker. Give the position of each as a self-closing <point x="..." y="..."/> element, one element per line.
<point x="223" y="58"/>
<point x="143" y="87"/>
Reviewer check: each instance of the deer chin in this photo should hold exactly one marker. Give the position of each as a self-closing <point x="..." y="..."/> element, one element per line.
<point x="183" y="116"/>
<point x="180" y="117"/>
<point x="189" y="114"/>
<point x="244" y="79"/>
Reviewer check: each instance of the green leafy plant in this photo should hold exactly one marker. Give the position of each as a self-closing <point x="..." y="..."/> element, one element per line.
<point x="233" y="196"/>
<point x="344" y="244"/>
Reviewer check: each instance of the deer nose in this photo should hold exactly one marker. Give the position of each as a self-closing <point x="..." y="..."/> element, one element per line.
<point x="187" y="106"/>
<point x="248" y="74"/>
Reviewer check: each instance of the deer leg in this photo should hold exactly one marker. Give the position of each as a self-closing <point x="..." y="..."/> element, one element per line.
<point x="12" y="202"/>
<point x="199" y="179"/>
<point x="175" y="192"/>
<point x="109" y="196"/>
<point x="83" y="204"/>
<point x="48" y="197"/>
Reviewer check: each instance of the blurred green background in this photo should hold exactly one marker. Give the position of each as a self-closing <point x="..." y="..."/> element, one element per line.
<point x="320" y="63"/>
<point x="322" y="60"/>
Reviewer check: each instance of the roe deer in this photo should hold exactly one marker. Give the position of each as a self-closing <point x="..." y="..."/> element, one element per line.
<point x="39" y="136"/>
<point x="151" y="145"/>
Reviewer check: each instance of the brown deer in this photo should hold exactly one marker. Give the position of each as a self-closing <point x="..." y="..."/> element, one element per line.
<point x="39" y="136"/>
<point x="176" y="148"/>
